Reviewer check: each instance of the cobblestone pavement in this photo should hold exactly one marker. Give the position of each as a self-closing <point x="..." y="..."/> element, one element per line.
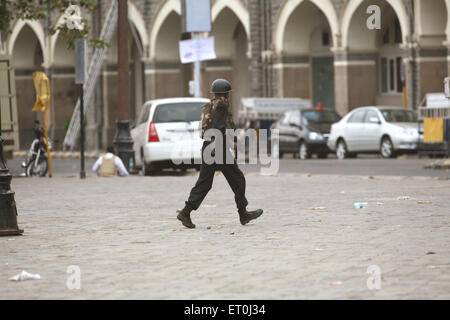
<point x="123" y="234"/>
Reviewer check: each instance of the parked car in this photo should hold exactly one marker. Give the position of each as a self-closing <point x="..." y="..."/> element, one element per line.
<point x="305" y="132"/>
<point x="166" y="133"/>
<point x="386" y="130"/>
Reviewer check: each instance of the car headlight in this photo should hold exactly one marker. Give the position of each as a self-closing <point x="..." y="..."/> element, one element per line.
<point x="410" y="131"/>
<point x="315" y="136"/>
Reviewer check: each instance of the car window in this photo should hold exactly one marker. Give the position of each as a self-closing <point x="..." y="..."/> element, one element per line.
<point x="178" y="112"/>
<point x="371" y="114"/>
<point x="143" y="116"/>
<point x="399" y="115"/>
<point x="320" y="117"/>
<point x="357" y="117"/>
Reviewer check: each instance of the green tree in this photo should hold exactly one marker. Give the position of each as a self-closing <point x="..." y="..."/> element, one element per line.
<point x="12" y="10"/>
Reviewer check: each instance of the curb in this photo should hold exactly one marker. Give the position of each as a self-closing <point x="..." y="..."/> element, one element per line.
<point x="61" y="155"/>
<point x="439" y="164"/>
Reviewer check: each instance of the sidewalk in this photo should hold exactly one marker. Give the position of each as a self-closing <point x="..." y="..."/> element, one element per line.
<point x="63" y="154"/>
<point x="309" y="244"/>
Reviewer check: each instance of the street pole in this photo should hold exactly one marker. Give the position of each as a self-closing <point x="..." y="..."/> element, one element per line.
<point x="80" y="79"/>
<point x="8" y="210"/>
<point x="197" y="73"/>
<point x="123" y="140"/>
<point x="82" y="169"/>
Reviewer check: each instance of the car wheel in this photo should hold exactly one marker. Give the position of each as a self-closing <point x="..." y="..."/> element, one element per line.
<point x="387" y="148"/>
<point x="341" y="150"/>
<point x="147" y="169"/>
<point x="303" y="151"/>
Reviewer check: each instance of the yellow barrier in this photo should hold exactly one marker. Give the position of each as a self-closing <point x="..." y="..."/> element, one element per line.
<point x="433" y="130"/>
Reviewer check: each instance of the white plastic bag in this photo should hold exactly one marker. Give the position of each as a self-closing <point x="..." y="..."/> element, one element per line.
<point x="25" y="276"/>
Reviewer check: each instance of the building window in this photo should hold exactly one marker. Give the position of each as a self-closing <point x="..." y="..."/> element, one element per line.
<point x="397" y="32"/>
<point x="391" y="75"/>
<point x="325" y="38"/>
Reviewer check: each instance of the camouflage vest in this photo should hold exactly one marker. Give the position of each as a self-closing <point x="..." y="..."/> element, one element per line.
<point x="208" y="113"/>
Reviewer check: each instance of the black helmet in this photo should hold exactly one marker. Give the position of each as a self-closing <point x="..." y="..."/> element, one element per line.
<point x="220" y="86"/>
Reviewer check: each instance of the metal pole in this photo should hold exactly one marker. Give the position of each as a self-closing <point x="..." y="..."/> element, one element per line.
<point x="197" y="74"/>
<point x="82" y="171"/>
<point x="123" y="140"/>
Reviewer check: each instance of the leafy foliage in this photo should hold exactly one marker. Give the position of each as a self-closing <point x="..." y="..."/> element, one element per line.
<point x="12" y="10"/>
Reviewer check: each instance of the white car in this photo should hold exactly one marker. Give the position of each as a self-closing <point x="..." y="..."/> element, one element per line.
<point x="386" y="130"/>
<point x="167" y="134"/>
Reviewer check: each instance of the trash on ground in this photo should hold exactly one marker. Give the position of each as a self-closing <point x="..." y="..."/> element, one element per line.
<point x="404" y="198"/>
<point x="380" y="203"/>
<point x="424" y="202"/>
<point x="360" y="205"/>
<point x="25" y="276"/>
<point x="335" y="283"/>
<point x="430" y="252"/>
<point x="317" y="208"/>
<point x="209" y="228"/>
<point x="342" y="192"/>
<point x="319" y="249"/>
<point x="272" y="238"/>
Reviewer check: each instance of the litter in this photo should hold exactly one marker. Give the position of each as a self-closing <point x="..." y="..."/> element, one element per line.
<point x="317" y="208"/>
<point x="209" y="206"/>
<point x="404" y="198"/>
<point x="360" y="205"/>
<point x="342" y="192"/>
<point x="25" y="276"/>
<point x="380" y="203"/>
<point x="335" y="283"/>
<point x="431" y="252"/>
<point x="424" y="202"/>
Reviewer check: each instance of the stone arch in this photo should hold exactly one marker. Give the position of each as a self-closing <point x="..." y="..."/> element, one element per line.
<point x="289" y="7"/>
<point x="238" y="9"/>
<point x="138" y="21"/>
<point x="353" y="5"/>
<point x="164" y="12"/>
<point x="38" y="31"/>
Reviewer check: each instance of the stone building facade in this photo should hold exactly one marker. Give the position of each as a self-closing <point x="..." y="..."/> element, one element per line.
<point x="316" y="49"/>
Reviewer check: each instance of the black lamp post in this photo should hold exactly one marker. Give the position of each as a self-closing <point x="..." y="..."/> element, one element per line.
<point x="8" y="211"/>
<point x="123" y="140"/>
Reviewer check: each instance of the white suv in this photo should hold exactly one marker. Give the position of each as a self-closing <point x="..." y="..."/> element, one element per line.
<point x="167" y="134"/>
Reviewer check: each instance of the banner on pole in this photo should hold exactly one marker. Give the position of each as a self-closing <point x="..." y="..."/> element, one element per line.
<point x="42" y="86"/>
<point x="194" y="50"/>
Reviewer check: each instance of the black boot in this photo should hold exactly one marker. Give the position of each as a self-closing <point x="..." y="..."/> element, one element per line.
<point x="185" y="217"/>
<point x="247" y="216"/>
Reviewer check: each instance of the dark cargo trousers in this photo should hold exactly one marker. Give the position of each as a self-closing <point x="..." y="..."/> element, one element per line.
<point x="232" y="173"/>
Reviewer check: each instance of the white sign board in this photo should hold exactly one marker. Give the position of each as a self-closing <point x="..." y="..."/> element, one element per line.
<point x="194" y="50"/>
<point x="196" y="15"/>
<point x="81" y="61"/>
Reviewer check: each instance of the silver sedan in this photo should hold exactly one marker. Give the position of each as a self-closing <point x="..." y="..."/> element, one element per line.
<point x="386" y="130"/>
